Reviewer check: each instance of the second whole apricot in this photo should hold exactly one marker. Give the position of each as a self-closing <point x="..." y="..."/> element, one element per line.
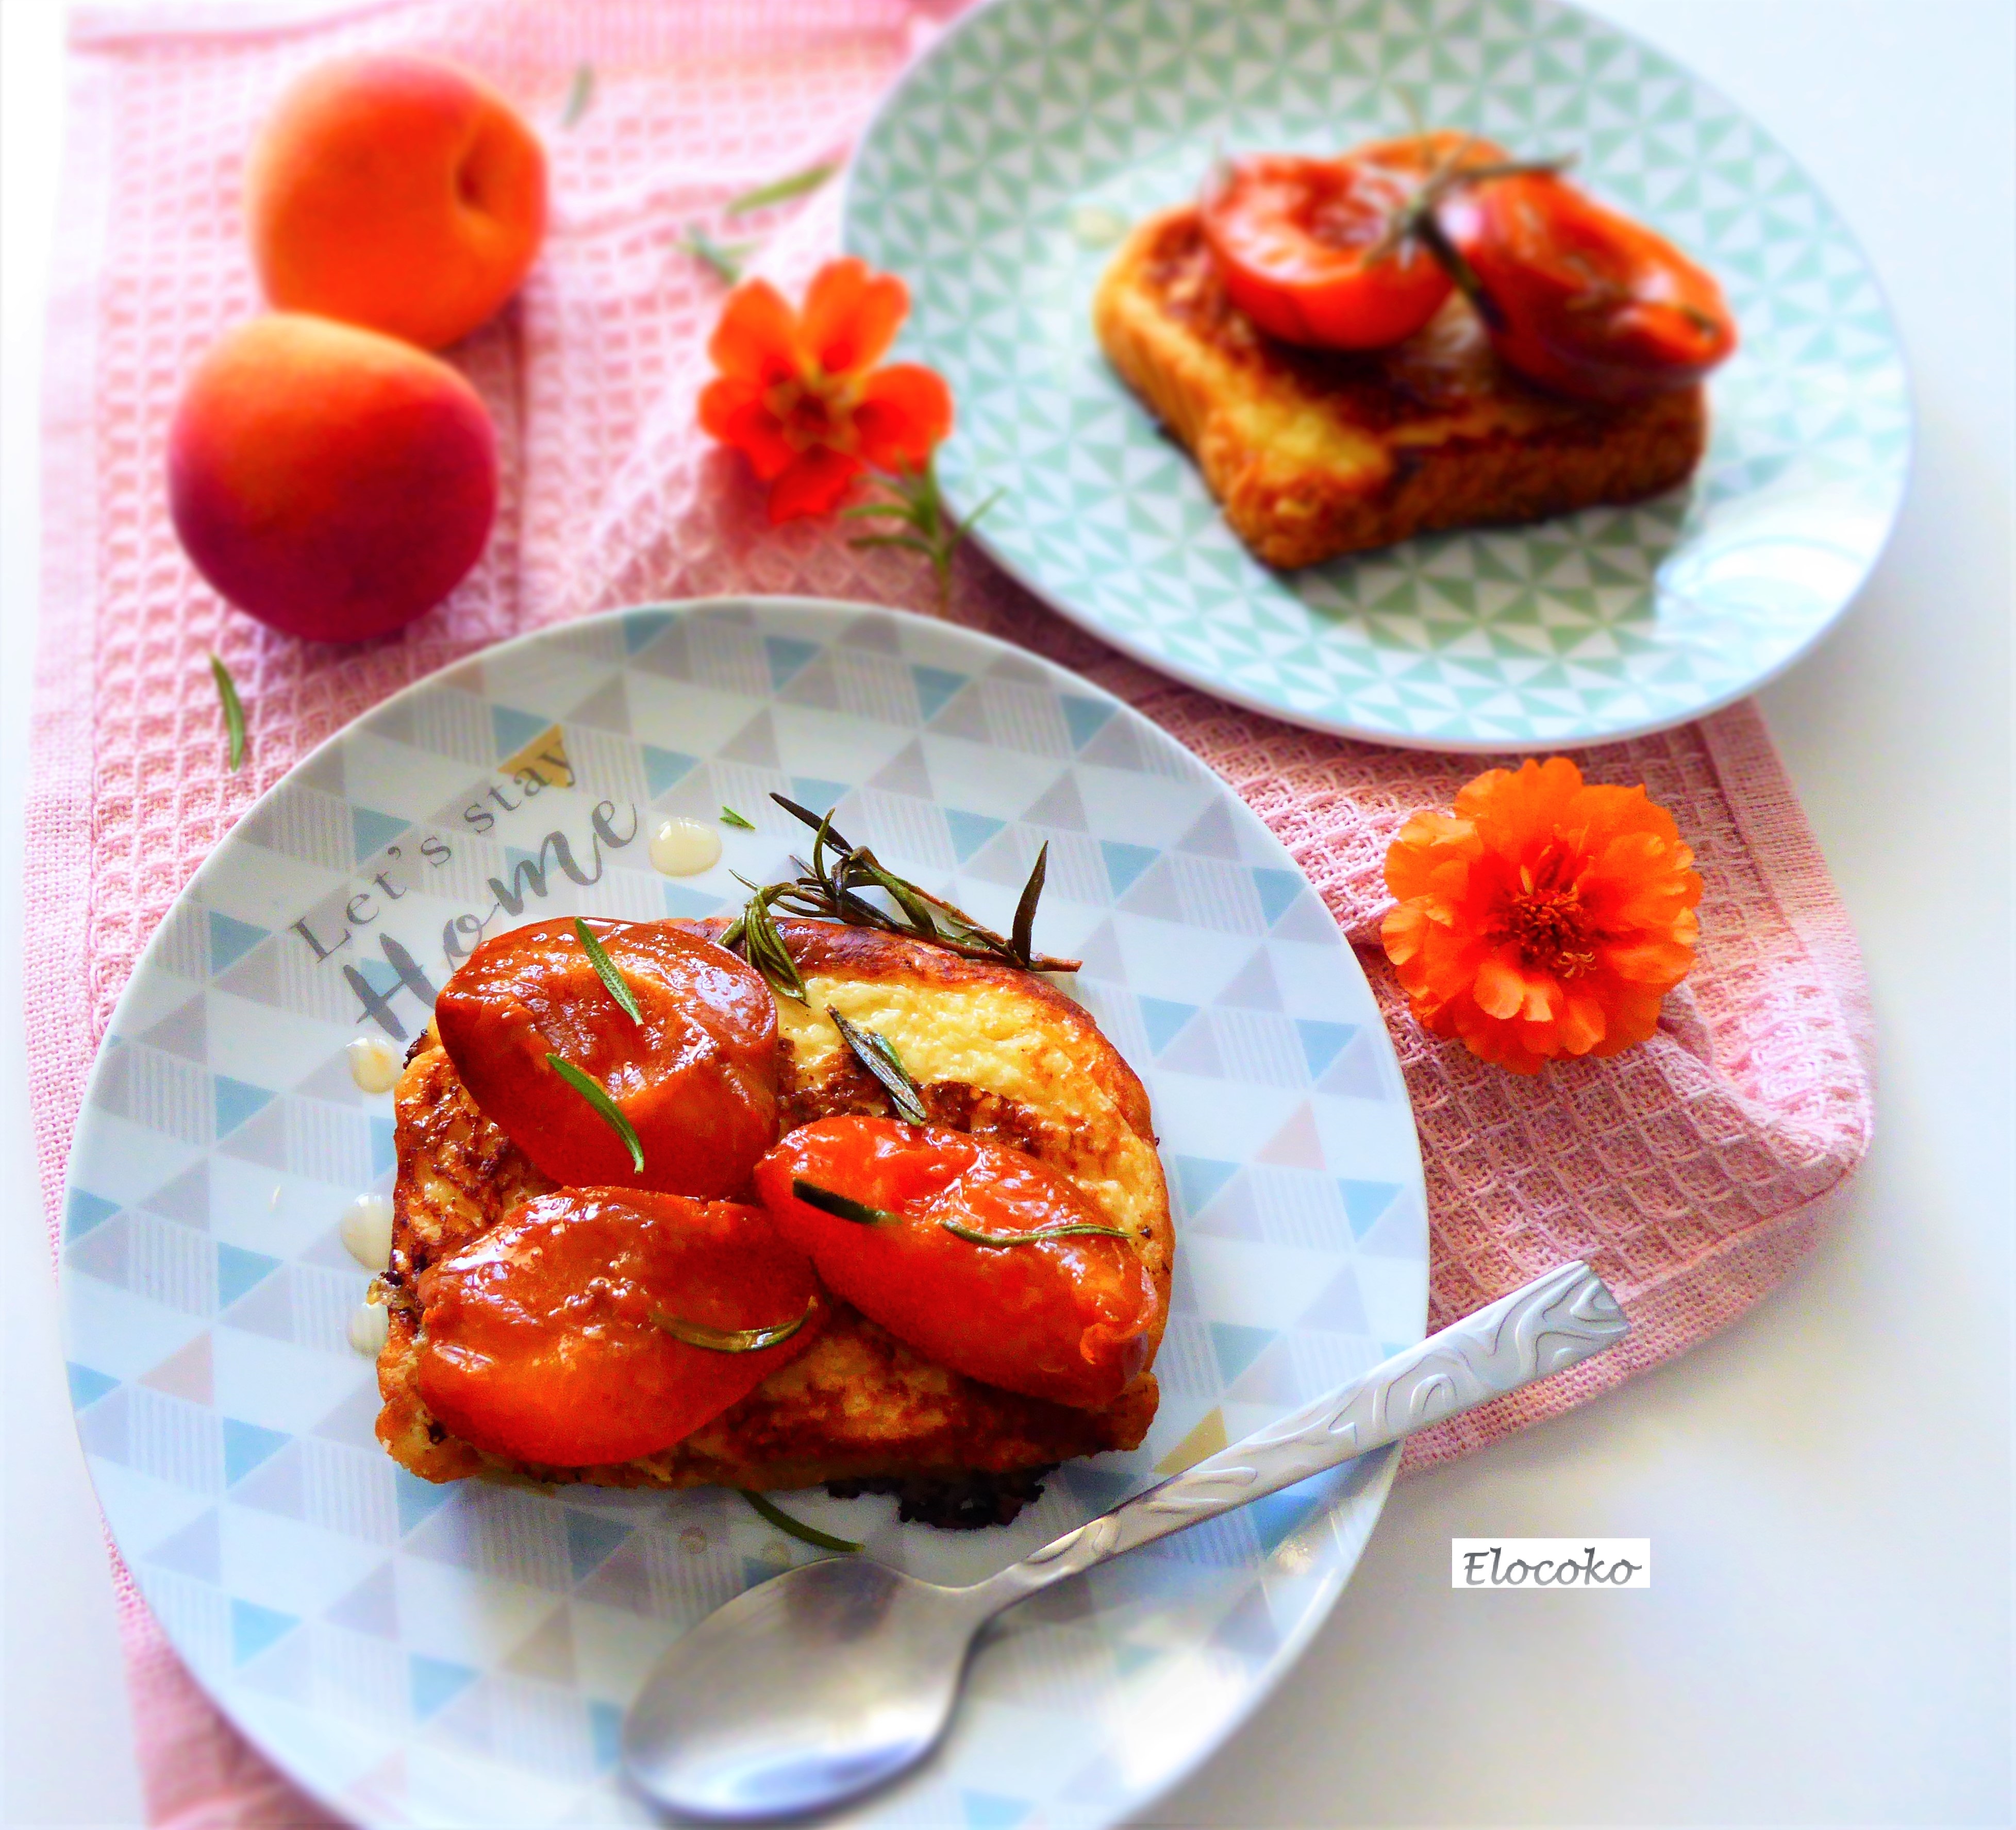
<point x="399" y="193"/>
<point x="333" y="483"/>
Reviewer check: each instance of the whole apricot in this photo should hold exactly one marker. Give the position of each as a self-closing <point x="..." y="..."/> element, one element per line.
<point x="333" y="483"/>
<point x="395" y="191"/>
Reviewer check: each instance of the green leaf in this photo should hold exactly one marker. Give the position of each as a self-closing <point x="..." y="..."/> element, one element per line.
<point x="734" y="1340"/>
<point x="910" y="542"/>
<point x="840" y="1207"/>
<point x="783" y="189"/>
<point x="765" y="949"/>
<point x="234" y="711"/>
<point x="724" y="259"/>
<point x="580" y="92"/>
<point x="605" y="970"/>
<point x="797" y="1528"/>
<point x="1022" y="936"/>
<point x="605" y="1109"/>
<point x="730" y="818"/>
<point x="877" y="1054"/>
<point x="1076" y="1229"/>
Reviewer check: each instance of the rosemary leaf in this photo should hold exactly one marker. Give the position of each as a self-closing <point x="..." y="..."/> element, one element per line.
<point x="606" y="970"/>
<point x="781" y="191"/>
<point x="877" y="1054"/>
<point x="905" y="895"/>
<point x="1019" y="935"/>
<point x="797" y="1528"/>
<point x="605" y="1109"/>
<point x="580" y="92"/>
<point x="1076" y="1230"/>
<point x="730" y="818"/>
<point x="723" y="259"/>
<point x="910" y="543"/>
<point x="838" y="1206"/>
<point x="234" y="711"/>
<point x="817" y="822"/>
<point x="734" y="1340"/>
<point x="763" y="948"/>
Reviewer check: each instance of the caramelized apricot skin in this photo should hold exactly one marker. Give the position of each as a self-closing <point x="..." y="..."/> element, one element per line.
<point x="696" y="1079"/>
<point x="1067" y="1319"/>
<point x="539" y="1342"/>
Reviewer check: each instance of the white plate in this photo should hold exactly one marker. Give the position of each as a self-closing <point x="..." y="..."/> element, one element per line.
<point x="456" y="1655"/>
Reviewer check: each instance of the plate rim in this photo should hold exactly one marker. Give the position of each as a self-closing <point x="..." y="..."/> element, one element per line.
<point x="1199" y="680"/>
<point x="1375" y="1489"/>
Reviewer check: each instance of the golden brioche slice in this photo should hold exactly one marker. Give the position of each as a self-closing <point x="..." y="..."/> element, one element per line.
<point x="1313" y="453"/>
<point x="998" y="1053"/>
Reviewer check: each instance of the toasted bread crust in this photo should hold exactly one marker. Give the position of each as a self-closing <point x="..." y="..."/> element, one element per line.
<point x="1314" y="453"/>
<point x="859" y="1404"/>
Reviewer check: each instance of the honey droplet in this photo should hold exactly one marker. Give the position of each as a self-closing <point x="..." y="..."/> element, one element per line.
<point x="366" y="1231"/>
<point x="682" y="847"/>
<point x="375" y="1065"/>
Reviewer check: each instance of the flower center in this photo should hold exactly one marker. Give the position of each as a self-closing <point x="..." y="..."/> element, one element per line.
<point x="815" y="408"/>
<point x="1546" y="921"/>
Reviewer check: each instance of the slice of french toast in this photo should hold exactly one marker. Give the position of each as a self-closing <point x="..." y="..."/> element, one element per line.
<point x="996" y="1052"/>
<point x="1313" y="453"/>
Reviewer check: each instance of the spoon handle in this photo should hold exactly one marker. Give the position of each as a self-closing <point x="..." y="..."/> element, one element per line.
<point x="1552" y="1323"/>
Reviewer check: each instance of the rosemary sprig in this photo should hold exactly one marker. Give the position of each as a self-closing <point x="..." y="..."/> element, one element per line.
<point x="781" y="190"/>
<point x="723" y="259"/>
<point x="605" y="1109"/>
<point x="840" y="1207"/>
<point x="734" y="1340"/>
<point x="754" y="934"/>
<point x="844" y="1207"/>
<point x="1416" y="220"/>
<point x="580" y="92"/>
<point x="606" y="970"/>
<point x="234" y="710"/>
<point x="730" y="818"/>
<point x="915" y="503"/>
<point x="797" y="1528"/>
<point x="835" y="889"/>
<point x="1073" y="1230"/>
<point x="877" y="1054"/>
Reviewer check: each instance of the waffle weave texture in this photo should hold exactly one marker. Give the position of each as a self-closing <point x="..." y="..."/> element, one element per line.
<point x="1686" y="1171"/>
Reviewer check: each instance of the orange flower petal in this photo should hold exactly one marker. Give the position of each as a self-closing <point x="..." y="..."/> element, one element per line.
<point x="851" y="315"/>
<point x="1582" y="1024"/>
<point x="813" y="484"/>
<point x="1500" y="988"/>
<point x="1403" y="931"/>
<point x="732" y="411"/>
<point x="1660" y="964"/>
<point x="905" y="410"/>
<point x="757" y="338"/>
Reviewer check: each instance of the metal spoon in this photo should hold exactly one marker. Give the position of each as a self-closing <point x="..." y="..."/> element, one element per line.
<point x="833" y="1678"/>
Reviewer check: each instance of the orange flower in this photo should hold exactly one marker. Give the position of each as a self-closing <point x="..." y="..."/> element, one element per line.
<point x="1543" y="917"/>
<point x="799" y="394"/>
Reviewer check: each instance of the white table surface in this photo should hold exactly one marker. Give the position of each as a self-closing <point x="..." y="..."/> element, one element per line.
<point x="1827" y="1483"/>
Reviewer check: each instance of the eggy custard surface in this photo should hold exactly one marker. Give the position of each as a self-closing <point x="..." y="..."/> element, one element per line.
<point x="996" y="1052"/>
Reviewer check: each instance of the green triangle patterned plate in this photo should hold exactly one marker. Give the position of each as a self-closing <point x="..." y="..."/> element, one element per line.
<point x="999" y="177"/>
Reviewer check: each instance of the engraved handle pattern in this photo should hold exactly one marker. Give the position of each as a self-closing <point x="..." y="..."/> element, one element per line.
<point x="1552" y="1323"/>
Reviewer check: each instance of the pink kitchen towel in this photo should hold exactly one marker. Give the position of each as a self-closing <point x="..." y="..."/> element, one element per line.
<point x="1687" y="1171"/>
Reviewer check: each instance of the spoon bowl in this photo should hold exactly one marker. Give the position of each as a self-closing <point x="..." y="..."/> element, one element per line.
<point x="816" y="1686"/>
